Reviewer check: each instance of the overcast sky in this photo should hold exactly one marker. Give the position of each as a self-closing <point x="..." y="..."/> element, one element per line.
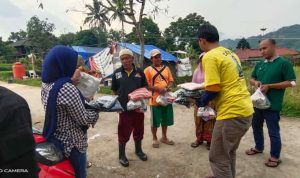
<point x="233" y="18"/>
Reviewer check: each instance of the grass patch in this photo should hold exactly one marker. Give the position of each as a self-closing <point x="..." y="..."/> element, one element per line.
<point x="105" y="90"/>
<point x="29" y="82"/>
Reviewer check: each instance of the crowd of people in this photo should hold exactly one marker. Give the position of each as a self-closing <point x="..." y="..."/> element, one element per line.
<point x="67" y="119"/>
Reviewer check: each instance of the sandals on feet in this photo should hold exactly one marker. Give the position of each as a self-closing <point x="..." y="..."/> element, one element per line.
<point x="89" y="164"/>
<point x="272" y="163"/>
<point x="167" y="141"/>
<point x="155" y="144"/>
<point x="252" y="151"/>
<point x="196" y="144"/>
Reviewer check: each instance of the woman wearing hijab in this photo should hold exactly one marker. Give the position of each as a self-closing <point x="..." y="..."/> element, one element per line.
<point x="203" y="128"/>
<point x="66" y="119"/>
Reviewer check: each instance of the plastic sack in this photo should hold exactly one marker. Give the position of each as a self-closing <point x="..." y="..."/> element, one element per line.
<point x="188" y="93"/>
<point x="139" y="94"/>
<point x="191" y="86"/>
<point x="138" y="106"/>
<point x="206" y="113"/>
<point x="88" y="85"/>
<point x="106" y="104"/>
<point x="183" y="101"/>
<point x="260" y="100"/>
<point x="165" y="100"/>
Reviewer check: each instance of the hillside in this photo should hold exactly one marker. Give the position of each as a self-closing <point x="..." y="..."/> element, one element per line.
<point x="288" y="37"/>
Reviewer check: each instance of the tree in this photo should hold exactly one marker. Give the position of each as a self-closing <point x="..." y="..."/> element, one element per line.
<point x="86" y="38"/>
<point x="114" y="35"/>
<point x="16" y="36"/>
<point x="182" y="33"/>
<point x="149" y="29"/>
<point x="243" y="44"/>
<point x="40" y="33"/>
<point x="67" y="39"/>
<point x="97" y="15"/>
<point x="6" y="50"/>
<point x="130" y="12"/>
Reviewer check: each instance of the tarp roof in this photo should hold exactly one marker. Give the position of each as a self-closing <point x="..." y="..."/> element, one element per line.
<point x="137" y="49"/>
<point x="86" y="52"/>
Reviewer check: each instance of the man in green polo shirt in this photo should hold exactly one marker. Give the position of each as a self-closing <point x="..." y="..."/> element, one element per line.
<point x="273" y="76"/>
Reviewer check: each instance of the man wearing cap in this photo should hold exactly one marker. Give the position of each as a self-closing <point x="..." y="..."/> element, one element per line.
<point x="126" y="79"/>
<point x="160" y="81"/>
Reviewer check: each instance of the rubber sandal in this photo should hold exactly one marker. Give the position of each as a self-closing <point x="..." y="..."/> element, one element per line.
<point x="196" y="144"/>
<point x="272" y="163"/>
<point x="89" y="164"/>
<point x="252" y="151"/>
<point x="155" y="144"/>
<point x="168" y="142"/>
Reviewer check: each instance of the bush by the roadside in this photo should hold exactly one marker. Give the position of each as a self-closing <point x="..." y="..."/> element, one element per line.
<point x="6" y="67"/>
<point x="5" y="75"/>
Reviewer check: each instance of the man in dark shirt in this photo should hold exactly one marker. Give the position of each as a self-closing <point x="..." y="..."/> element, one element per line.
<point x="125" y="80"/>
<point x="17" y="147"/>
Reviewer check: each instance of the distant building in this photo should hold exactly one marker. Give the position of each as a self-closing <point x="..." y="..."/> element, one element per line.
<point x="23" y="47"/>
<point x="255" y="55"/>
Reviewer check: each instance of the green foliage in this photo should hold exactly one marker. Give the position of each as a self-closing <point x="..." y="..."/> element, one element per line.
<point x="40" y="33"/>
<point x="183" y="32"/>
<point x="16" y="36"/>
<point x="243" y="44"/>
<point x="29" y="82"/>
<point x="67" y="39"/>
<point x="5" y="75"/>
<point x="179" y="80"/>
<point x="150" y="31"/>
<point x="97" y="15"/>
<point x="86" y="38"/>
<point x="6" y="50"/>
<point x="287" y="37"/>
<point x="5" y="67"/>
<point x="105" y="90"/>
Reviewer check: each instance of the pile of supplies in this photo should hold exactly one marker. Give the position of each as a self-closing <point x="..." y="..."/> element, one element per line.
<point x="106" y="104"/>
<point x="137" y="100"/>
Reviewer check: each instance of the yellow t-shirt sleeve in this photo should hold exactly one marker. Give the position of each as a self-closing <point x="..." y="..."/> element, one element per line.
<point x="211" y="71"/>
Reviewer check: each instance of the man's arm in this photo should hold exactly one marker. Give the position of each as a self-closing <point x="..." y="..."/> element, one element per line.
<point x="280" y="85"/>
<point x="210" y="93"/>
<point x="255" y="83"/>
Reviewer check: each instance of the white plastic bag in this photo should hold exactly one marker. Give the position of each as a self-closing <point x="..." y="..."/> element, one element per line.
<point x="88" y="85"/>
<point x="166" y="99"/>
<point x="138" y="106"/>
<point x="260" y="100"/>
<point x="206" y="113"/>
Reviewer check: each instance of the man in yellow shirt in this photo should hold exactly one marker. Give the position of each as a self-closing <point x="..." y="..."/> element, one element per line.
<point x="160" y="80"/>
<point x="224" y="84"/>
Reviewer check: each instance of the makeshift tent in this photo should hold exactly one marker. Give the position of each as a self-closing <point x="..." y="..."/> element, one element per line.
<point x="86" y="52"/>
<point x="108" y="62"/>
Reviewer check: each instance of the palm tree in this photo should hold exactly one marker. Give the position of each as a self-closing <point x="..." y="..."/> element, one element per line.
<point x="97" y="15"/>
<point x="119" y="11"/>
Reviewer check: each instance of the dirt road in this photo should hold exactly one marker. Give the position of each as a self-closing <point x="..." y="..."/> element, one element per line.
<point x="178" y="161"/>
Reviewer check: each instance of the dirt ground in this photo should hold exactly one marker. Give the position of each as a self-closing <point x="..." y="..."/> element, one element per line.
<point x="178" y="161"/>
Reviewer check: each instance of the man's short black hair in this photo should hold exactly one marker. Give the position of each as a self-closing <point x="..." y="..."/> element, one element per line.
<point x="208" y="32"/>
<point x="272" y="41"/>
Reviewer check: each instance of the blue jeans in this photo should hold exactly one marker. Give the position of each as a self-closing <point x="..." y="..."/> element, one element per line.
<point x="272" y="120"/>
<point x="78" y="161"/>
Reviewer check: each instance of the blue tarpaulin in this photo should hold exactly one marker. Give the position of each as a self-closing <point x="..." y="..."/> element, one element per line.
<point x="137" y="49"/>
<point x="86" y="52"/>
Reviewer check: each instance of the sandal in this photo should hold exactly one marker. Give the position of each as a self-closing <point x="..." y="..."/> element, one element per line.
<point x="272" y="163"/>
<point x="167" y="141"/>
<point x="89" y="164"/>
<point x="208" y="145"/>
<point x="196" y="143"/>
<point x="252" y="151"/>
<point x="155" y="144"/>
